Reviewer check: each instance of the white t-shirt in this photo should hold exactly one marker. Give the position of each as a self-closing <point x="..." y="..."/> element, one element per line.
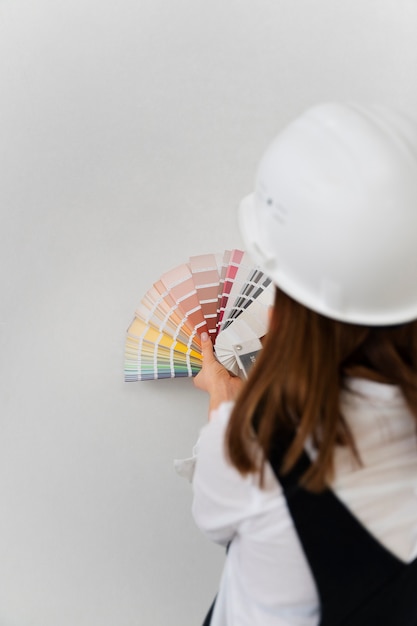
<point x="266" y="580"/>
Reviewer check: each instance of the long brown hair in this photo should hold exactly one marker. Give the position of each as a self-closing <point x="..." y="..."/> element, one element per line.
<point x="293" y="391"/>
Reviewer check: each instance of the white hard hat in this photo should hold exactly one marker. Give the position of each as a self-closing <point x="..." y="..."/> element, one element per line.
<point x="333" y="218"/>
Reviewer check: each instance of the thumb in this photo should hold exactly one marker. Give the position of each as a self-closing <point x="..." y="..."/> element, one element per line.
<point x="207" y="348"/>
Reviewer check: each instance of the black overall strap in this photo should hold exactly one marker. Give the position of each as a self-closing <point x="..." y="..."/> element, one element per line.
<point x="207" y="621"/>
<point x="209" y="615"/>
<point x="359" y="582"/>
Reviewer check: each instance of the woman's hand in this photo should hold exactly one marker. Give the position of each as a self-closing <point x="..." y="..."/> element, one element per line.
<point x="220" y="384"/>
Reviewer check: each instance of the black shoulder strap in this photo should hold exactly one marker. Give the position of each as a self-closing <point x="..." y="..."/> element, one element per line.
<point x="350" y="566"/>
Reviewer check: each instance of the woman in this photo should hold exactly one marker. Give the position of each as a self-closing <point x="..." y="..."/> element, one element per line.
<point x="308" y="472"/>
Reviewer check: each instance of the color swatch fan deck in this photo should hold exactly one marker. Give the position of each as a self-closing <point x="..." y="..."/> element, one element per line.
<point x="221" y="294"/>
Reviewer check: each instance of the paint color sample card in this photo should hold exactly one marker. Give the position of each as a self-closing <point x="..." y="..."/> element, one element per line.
<point x="221" y="294"/>
<point x="206" y="276"/>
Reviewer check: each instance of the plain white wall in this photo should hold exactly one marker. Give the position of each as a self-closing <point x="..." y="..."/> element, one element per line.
<point x="129" y="131"/>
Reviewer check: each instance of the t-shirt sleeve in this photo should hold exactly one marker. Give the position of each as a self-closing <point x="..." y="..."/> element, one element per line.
<point x="222" y="497"/>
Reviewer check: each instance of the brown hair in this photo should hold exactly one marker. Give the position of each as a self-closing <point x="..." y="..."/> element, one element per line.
<point x="293" y="391"/>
